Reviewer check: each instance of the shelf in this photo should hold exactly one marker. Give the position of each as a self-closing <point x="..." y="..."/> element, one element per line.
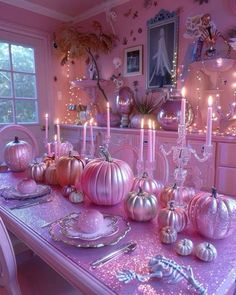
<point x="87" y="83"/>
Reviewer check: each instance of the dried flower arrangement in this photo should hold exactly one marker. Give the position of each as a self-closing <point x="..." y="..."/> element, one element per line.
<point x="75" y="44"/>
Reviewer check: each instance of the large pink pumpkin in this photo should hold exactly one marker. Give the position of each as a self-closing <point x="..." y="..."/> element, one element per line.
<point x="106" y="181"/>
<point x="212" y="215"/>
<point x="148" y="184"/>
<point x="18" y="155"/>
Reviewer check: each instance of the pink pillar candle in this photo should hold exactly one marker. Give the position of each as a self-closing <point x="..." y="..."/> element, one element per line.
<point x="108" y="121"/>
<point x="209" y="122"/>
<point x="91" y="133"/>
<point x="150" y="148"/>
<point x="141" y="141"/>
<point x="46" y="128"/>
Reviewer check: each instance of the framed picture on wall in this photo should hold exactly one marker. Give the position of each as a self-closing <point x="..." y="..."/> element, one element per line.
<point x="133" y="61"/>
<point x="162" y="44"/>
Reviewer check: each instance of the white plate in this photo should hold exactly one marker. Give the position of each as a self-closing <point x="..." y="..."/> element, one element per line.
<point x="71" y="230"/>
<point x="11" y="193"/>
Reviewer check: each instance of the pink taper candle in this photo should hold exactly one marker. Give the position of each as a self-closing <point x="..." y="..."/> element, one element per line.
<point x="55" y="146"/>
<point x="141" y="141"/>
<point x="58" y="131"/>
<point x="108" y="121"/>
<point x="49" y="148"/>
<point x="209" y="122"/>
<point x="46" y="128"/>
<point x="84" y="138"/>
<point x="153" y="141"/>
<point x="183" y="107"/>
<point x="91" y="132"/>
<point x="150" y="141"/>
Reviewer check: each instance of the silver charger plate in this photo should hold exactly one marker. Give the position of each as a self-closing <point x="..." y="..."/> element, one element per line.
<point x="11" y="193"/>
<point x="56" y="232"/>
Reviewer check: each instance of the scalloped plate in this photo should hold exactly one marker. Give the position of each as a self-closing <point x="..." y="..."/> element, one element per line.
<point x="70" y="228"/>
<point x="56" y="232"/>
<point x="11" y="193"/>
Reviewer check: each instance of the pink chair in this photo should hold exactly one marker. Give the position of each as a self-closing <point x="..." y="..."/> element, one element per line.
<point x="33" y="277"/>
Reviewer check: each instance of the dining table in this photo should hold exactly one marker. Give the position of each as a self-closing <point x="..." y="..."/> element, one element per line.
<point x="72" y="259"/>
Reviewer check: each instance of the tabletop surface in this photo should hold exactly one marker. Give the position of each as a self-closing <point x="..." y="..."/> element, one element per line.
<point x="216" y="276"/>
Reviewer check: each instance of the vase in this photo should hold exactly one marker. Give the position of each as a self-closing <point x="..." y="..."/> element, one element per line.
<point x="169" y="114"/>
<point x="135" y="121"/>
<point x="125" y="103"/>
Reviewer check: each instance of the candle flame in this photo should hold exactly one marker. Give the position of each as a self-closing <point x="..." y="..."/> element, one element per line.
<point x="142" y="123"/>
<point x="153" y="125"/>
<point x="55" y="137"/>
<point x="150" y="124"/>
<point x="183" y="92"/>
<point x="57" y="121"/>
<point x="108" y="105"/>
<point x="85" y="124"/>
<point x="210" y="101"/>
<point x="91" y="121"/>
<point x="46" y="116"/>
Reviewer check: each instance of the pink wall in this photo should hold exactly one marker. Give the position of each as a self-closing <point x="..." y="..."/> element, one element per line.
<point x="134" y="29"/>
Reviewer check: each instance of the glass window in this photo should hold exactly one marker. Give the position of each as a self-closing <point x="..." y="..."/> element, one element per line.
<point x="18" y="93"/>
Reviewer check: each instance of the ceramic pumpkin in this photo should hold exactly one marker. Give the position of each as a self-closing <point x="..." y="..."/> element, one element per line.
<point x="76" y="197"/>
<point x="168" y="235"/>
<point x="141" y="206"/>
<point x="184" y="247"/>
<point x="206" y="252"/>
<point x="49" y="160"/>
<point x="106" y="181"/>
<point x="50" y="175"/>
<point x="212" y="215"/>
<point x="69" y="169"/>
<point x="67" y="189"/>
<point x="18" y="155"/>
<point x="148" y="184"/>
<point x="173" y="193"/>
<point x="173" y="216"/>
<point x="36" y="171"/>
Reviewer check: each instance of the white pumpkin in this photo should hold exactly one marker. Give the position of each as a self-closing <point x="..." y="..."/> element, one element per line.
<point x="206" y="251"/>
<point x="76" y="197"/>
<point x="184" y="247"/>
<point x="168" y="235"/>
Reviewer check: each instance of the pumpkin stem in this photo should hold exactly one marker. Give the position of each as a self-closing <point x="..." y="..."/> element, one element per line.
<point x="175" y="186"/>
<point x="16" y="139"/>
<point x="104" y="152"/>
<point x="145" y="175"/>
<point x="214" y="192"/>
<point x="70" y="154"/>
<point x="171" y="205"/>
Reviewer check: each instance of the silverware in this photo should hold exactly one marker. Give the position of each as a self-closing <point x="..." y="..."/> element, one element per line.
<point x="29" y="204"/>
<point x="73" y="216"/>
<point x="128" y="248"/>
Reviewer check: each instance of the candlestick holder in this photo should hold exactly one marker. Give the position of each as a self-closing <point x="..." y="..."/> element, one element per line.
<point x="182" y="155"/>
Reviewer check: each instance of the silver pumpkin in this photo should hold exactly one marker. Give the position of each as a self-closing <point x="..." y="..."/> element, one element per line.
<point x="141" y="206"/>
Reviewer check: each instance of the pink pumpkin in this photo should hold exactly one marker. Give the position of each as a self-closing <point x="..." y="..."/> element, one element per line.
<point x="147" y="184"/>
<point x="18" y="155"/>
<point x="172" y="216"/>
<point x="106" y="181"/>
<point x="212" y="215"/>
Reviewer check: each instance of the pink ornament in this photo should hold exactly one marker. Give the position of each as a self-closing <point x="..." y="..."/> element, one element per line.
<point x="27" y="186"/>
<point x="148" y="184"/>
<point x="90" y="221"/>
<point x="174" y="217"/>
<point x="106" y="181"/>
<point x="213" y="215"/>
<point x="18" y="155"/>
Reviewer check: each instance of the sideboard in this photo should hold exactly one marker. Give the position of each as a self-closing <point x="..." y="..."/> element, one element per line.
<point x="218" y="171"/>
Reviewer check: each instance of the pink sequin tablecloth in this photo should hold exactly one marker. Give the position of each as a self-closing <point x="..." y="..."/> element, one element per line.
<point x="74" y="263"/>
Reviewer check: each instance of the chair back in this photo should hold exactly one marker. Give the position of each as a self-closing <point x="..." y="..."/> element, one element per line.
<point x="8" y="267"/>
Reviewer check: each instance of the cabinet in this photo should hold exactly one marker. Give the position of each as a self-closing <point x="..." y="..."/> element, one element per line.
<point x="219" y="170"/>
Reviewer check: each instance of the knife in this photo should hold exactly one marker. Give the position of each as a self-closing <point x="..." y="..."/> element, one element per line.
<point x="130" y="247"/>
<point x="29" y="204"/>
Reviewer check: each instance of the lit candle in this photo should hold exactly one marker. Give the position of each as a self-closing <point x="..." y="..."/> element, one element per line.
<point x="84" y="138"/>
<point x="58" y="131"/>
<point x="183" y="107"/>
<point x="46" y="128"/>
<point x="150" y="141"/>
<point x="153" y="140"/>
<point x="108" y="121"/>
<point x="91" y="133"/>
<point x="209" y="122"/>
<point x="49" y="148"/>
<point x="141" y="141"/>
<point x="55" y="146"/>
